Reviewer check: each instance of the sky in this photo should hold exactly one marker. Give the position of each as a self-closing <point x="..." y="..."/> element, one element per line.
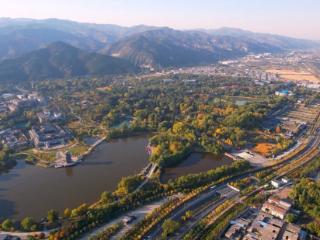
<point x="296" y="18"/>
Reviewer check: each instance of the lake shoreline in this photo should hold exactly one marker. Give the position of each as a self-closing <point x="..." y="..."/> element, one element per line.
<point x="27" y="185"/>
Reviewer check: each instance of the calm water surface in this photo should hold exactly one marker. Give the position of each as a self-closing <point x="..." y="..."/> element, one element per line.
<point x="195" y="163"/>
<point x="31" y="191"/>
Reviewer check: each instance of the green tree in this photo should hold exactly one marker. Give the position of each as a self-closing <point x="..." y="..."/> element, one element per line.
<point x="52" y="216"/>
<point x="80" y="211"/>
<point x="7" y="225"/>
<point x="169" y="227"/>
<point x="128" y="184"/>
<point x="291" y="218"/>
<point x="187" y="215"/>
<point x="106" y="197"/>
<point x="67" y="212"/>
<point x="28" y="224"/>
<point x="3" y="156"/>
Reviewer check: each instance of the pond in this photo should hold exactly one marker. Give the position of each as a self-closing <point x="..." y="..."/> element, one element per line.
<point x="195" y="163"/>
<point x="28" y="190"/>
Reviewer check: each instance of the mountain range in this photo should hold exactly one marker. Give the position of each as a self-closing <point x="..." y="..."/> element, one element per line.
<point x="30" y="47"/>
<point x="61" y="60"/>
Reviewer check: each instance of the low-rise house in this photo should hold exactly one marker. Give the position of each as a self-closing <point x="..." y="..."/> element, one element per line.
<point x="266" y="227"/>
<point x="251" y="236"/>
<point x="276" y="207"/>
<point x="274" y="210"/>
<point x="279" y="183"/>
<point x="47" y="116"/>
<point x="279" y="202"/>
<point x="293" y="232"/>
<point x="234" y="232"/>
<point x="276" y="183"/>
<point x="14" y="139"/>
<point x="237" y="228"/>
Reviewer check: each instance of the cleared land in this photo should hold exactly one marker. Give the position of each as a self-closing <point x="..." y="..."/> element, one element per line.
<point x="292" y="75"/>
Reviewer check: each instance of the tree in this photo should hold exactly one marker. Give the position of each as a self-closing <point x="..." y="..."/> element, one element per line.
<point x="106" y="197"/>
<point x="67" y="213"/>
<point x="3" y="156"/>
<point x="177" y="127"/>
<point x="291" y="218"/>
<point x="52" y="216"/>
<point x="168" y="227"/>
<point x="80" y="211"/>
<point x="28" y="224"/>
<point x="187" y="215"/>
<point x="7" y="225"/>
<point x="128" y="184"/>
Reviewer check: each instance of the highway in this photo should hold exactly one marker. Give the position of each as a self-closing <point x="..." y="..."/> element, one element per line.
<point x="201" y="206"/>
<point x="139" y="213"/>
<point x="225" y="194"/>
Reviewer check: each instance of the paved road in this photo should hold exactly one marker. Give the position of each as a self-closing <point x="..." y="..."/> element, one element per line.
<point x="206" y="201"/>
<point x="25" y="235"/>
<point x="226" y="193"/>
<point x="139" y="213"/>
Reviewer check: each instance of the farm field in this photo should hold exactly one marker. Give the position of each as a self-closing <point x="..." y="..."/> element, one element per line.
<point x="292" y="75"/>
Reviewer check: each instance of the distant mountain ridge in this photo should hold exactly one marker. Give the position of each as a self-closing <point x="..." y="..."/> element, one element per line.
<point x="25" y="40"/>
<point x="272" y="39"/>
<point x="60" y="60"/>
<point x="167" y="47"/>
<point x="19" y="36"/>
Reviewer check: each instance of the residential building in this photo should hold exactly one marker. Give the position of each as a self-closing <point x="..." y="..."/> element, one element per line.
<point x="14" y="139"/>
<point x="276" y="207"/>
<point x="266" y="227"/>
<point x="49" y="135"/>
<point x="47" y="116"/>
<point x="234" y="232"/>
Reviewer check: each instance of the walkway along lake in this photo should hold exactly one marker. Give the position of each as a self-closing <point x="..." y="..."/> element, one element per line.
<point x="28" y="190"/>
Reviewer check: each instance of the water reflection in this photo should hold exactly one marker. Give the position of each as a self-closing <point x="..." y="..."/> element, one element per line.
<point x="29" y="190"/>
<point x="69" y="172"/>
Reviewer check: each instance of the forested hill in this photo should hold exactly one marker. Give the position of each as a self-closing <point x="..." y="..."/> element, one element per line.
<point x="60" y="60"/>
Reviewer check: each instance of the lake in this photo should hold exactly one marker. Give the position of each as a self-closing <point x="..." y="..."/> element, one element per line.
<point x="195" y="163"/>
<point x="28" y="190"/>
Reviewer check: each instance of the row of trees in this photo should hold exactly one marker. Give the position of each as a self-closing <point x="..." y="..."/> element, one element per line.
<point x="108" y="232"/>
<point x="29" y="224"/>
<point x="192" y="181"/>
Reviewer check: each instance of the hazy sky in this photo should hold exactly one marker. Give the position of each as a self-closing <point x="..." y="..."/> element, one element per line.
<point x="299" y="18"/>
